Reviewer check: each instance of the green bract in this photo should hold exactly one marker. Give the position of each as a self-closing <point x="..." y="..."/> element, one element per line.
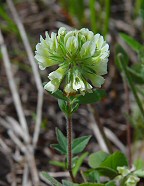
<point x="81" y="57"/>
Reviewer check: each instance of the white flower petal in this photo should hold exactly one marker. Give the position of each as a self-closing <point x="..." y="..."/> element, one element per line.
<point x="72" y="44"/>
<point x="96" y="37"/>
<point x="62" y="31"/>
<point x="54" y="43"/>
<point x="104" y="55"/>
<point x="58" y="74"/>
<point x="96" y="80"/>
<point x="52" y="86"/>
<point x="101" y="67"/>
<point x="105" y="48"/>
<point x="69" y="34"/>
<point x="100" y="42"/>
<point x="88" y="49"/>
<point x="44" y="61"/>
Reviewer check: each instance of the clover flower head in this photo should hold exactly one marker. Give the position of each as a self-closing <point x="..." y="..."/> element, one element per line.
<point x="81" y="58"/>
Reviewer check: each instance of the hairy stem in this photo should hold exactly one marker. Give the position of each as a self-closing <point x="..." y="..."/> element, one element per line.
<point x="69" y="140"/>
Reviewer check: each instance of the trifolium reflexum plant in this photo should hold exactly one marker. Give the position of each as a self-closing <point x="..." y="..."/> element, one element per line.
<point x="81" y="58"/>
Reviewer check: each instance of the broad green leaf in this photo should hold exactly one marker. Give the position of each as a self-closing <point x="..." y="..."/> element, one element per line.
<point x="58" y="164"/>
<point x="135" y="45"/>
<point x="79" y="163"/>
<point x="52" y="181"/>
<point x="120" y="50"/>
<point x="58" y="148"/>
<point x="94" y="176"/>
<point x="97" y="158"/>
<point x="92" y="184"/>
<point x="67" y="183"/>
<point x="79" y="144"/>
<point x="106" y="171"/>
<point x="89" y="98"/>
<point x="62" y="142"/>
<point x="115" y="160"/>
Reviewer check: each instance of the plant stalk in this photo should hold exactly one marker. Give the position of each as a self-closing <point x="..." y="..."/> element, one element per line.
<point x="128" y="124"/>
<point x="69" y="140"/>
<point x="93" y="19"/>
<point x="107" y="16"/>
<point x="134" y="91"/>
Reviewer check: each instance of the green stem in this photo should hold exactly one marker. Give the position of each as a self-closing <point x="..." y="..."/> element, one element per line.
<point x="107" y="16"/>
<point x="93" y="15"/>
<point x="137" y="7"/>
<point x="69" y="140"/>
<point x="130" y="82"/>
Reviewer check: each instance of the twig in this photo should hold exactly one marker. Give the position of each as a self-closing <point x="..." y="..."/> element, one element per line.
<point x="4" y="123"/>
<point x="113" y="138"/>
<point x="28" y="151"/>
<point x="25" y="175"/>
<point x="59" y="174"/>
<point x="4" y="146"/>
<point x="13" y="88"/>
<point x="6" y="150"/>
<point x="103" y="140"/>
<point x="29" y="154"/>
<point x="34" y="69"/>
<point x="14" y="125"/>
<point x="39" y="118"/>
<point x="16" y="140"/>
<point x="97" y="134"/>
<point x="32" y="165"/>
<point x="128" y="9"/>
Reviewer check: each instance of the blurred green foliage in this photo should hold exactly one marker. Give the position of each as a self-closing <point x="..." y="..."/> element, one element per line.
<point x="7" y="24"/>
<point x="134" y="74"/>
<point x="95" y="14"/>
